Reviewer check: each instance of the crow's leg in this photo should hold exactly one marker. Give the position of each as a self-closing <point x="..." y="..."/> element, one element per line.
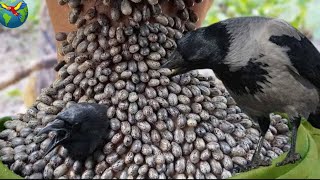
<point x="292" y="156"/>
<point x="256" y="161"/>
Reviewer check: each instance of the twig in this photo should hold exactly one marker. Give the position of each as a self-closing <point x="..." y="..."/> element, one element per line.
<point x="23" y="72"/>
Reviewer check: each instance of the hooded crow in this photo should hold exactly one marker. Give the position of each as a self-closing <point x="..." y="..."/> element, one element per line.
<point x="80" y="128"/>
<point x="266" y="65"/>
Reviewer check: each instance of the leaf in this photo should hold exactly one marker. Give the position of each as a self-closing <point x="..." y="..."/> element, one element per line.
<point x="299" y="13"/>
<point x="5" y="173"/>
<point x="3" y="120"/>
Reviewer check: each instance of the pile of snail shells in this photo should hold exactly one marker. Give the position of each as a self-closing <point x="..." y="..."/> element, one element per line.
<point x="179" y="127"/>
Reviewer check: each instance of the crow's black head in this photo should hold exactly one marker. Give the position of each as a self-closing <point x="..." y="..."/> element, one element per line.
<point x="80" y="129"/>
<point x="199" y="49"/>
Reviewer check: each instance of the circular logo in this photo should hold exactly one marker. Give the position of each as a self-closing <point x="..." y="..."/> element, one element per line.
<point x="13" y="13"/>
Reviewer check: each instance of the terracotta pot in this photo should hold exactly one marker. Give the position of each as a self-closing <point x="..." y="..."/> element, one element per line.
<point x="59" y="14"/>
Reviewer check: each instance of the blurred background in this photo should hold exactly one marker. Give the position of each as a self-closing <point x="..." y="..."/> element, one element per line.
<point x="27" y="54"/>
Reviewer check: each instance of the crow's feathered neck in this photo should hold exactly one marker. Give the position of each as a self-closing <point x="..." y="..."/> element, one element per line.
<point x="242" y="81"/>
<point x="220" y="36"/>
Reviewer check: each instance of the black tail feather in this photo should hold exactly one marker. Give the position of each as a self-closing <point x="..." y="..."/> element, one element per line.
<point x="314" y="120"/>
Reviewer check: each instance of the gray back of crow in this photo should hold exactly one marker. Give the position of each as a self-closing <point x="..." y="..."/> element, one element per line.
<point x="303" y="57"/>
<point x="288" y="67"/>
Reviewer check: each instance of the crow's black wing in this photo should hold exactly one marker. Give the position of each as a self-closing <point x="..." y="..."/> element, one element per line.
<point x="303" y="55"/>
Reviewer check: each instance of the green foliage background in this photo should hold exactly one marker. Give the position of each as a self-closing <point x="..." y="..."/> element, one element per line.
<point x="302" y="14"/>
<point x="34" y="10"/>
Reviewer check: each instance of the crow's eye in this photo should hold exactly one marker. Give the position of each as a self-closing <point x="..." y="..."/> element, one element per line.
<point x="76" y="126"/>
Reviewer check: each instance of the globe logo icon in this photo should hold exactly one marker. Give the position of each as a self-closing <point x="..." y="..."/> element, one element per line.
<point x="13" y="13"/>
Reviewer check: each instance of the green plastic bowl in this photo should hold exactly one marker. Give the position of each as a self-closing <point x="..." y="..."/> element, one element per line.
<point x="308" y="146"/>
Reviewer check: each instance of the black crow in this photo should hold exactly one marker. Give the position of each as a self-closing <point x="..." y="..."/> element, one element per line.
<point x="80" y="128"/>
<point x="266" y="65"/>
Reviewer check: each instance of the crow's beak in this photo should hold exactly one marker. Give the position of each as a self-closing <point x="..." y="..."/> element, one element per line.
<point x="176" y="71"/>
<point x="173" y="71"/>
<point x="62" y="134"/>
<point x="175" y="60"/>
<point x="167" y="64"/>
<point x="175" y="63"/>
<point x="55" y="125"/>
